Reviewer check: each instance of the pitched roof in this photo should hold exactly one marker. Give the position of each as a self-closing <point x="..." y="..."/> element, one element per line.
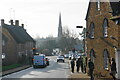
<point x="19" y="34"/>
<point x="115" y="6"/>
<point x="88" y="10"/>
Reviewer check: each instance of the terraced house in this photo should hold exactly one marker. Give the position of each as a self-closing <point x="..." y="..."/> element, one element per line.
<point x="17" y="44"/>
<point x="103" y="35"/>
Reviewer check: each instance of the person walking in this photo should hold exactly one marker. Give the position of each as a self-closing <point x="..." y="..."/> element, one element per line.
<point x="84" y="64"/>
<point x="113" y="69"/>
<point x="91" y="69"/>
<point x="72" y="65"/>
<point x="81" y="63"/>
<point x="78" y="64"/>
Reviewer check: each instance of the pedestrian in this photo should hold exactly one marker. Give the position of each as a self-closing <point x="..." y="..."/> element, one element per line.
<point x="113" y="69"/>
<point x="91" y="68"/>
<point x="78" y="64"/>
<point x="81" y="63"/>
<point x="84" y="64"/>
<point x="72" y="65"/>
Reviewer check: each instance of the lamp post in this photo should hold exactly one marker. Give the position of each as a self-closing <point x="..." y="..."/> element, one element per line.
<point x="84" y="37"/>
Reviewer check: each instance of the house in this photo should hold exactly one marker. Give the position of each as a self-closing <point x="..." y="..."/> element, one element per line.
<point x="17" y="44"/>
<point x="103" y="34"/>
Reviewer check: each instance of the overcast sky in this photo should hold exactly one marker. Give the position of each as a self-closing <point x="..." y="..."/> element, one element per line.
<point x="41" y="16"/>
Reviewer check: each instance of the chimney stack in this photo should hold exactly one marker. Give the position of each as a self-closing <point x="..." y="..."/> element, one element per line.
<point x="17" y="22"/>
<point x="22" y="25"/>
<point x="2" y="22"/>
<point x="11" y="22"/>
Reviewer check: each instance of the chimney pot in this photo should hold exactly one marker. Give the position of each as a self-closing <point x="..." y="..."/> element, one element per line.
<point x="22" y="25"/>
<point x="2" y="22"/>
<point x="11" y="22"/>
<point x="17" y="22"/>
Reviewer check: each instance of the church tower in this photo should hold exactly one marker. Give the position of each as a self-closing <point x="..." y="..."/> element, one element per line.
<point x="60" y="27"/>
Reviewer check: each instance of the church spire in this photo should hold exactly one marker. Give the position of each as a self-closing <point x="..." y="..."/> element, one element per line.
<point x="60" y="26"/>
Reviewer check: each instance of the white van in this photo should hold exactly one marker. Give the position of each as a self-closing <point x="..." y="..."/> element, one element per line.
<point x="39" y="61"/>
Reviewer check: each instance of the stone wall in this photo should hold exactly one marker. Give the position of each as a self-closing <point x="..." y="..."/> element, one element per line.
<point x="99" y="43"/>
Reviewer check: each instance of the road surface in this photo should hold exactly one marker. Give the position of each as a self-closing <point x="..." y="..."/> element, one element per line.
<point x="54" y="70"/>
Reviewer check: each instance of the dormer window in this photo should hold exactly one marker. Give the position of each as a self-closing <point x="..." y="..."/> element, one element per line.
<point x="98" y="5"/>
<point x="92" y="28"/>
<point x="105" y="27"/>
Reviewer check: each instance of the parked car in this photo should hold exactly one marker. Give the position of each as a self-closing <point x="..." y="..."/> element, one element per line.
<point x="70" y="56"/>
<point x="79" y="55"/>
<point x="66" y="55"/>
<point x="60" y="58"/>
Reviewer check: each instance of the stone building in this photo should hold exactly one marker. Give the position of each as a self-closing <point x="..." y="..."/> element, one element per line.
<point x="103" y="34"/>
<point x="17" y="44"/>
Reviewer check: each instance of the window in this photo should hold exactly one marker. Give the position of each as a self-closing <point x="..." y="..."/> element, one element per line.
<point x="92" y="55"/>
<point x="98" y="5"/>
<point x="106" y="59"/>
<point x="3" y="55"/>
<point x="3" y="42"/>
<point x="105" y="26"/>
<point x="92" y="28"/>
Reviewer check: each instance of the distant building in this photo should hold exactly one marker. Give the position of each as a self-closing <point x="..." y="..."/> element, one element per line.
<point x="103" y="35"/>
<point x="17" y="44"/>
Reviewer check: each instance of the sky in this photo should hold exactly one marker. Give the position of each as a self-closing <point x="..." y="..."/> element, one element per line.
<point x="41" y="17"/>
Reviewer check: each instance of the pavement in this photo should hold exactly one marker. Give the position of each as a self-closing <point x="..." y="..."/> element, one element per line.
<point x="76" y="75"/>
<point x="82" y="76"/>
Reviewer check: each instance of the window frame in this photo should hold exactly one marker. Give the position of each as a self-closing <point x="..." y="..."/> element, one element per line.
<point x="92" y="31"/>
<point x="106" y="59"/>
<point x="98" y="5"/>
<point x="3" y="55"/>
<point x="105" y="28"/>
<point x="92" y="55"/>
<point x="3" y="42"/>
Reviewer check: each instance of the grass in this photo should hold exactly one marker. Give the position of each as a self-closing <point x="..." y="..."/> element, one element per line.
<point x="4" y="68"/>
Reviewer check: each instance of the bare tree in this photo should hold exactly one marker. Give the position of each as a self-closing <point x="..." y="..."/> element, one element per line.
<point x="69" y="39"/>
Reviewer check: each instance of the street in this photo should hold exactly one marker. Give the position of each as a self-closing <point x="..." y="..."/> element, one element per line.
<point x="54" y="70"/>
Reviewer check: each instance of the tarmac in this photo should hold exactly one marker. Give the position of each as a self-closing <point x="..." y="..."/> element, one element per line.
<point x="72" y="76"/>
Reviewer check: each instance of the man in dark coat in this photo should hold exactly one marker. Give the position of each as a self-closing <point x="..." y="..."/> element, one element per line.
<point x="81" y="63"/>
<point x="91" y="68"/>
<point x="72" y="65"/>
<point x="78" y="64"/>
